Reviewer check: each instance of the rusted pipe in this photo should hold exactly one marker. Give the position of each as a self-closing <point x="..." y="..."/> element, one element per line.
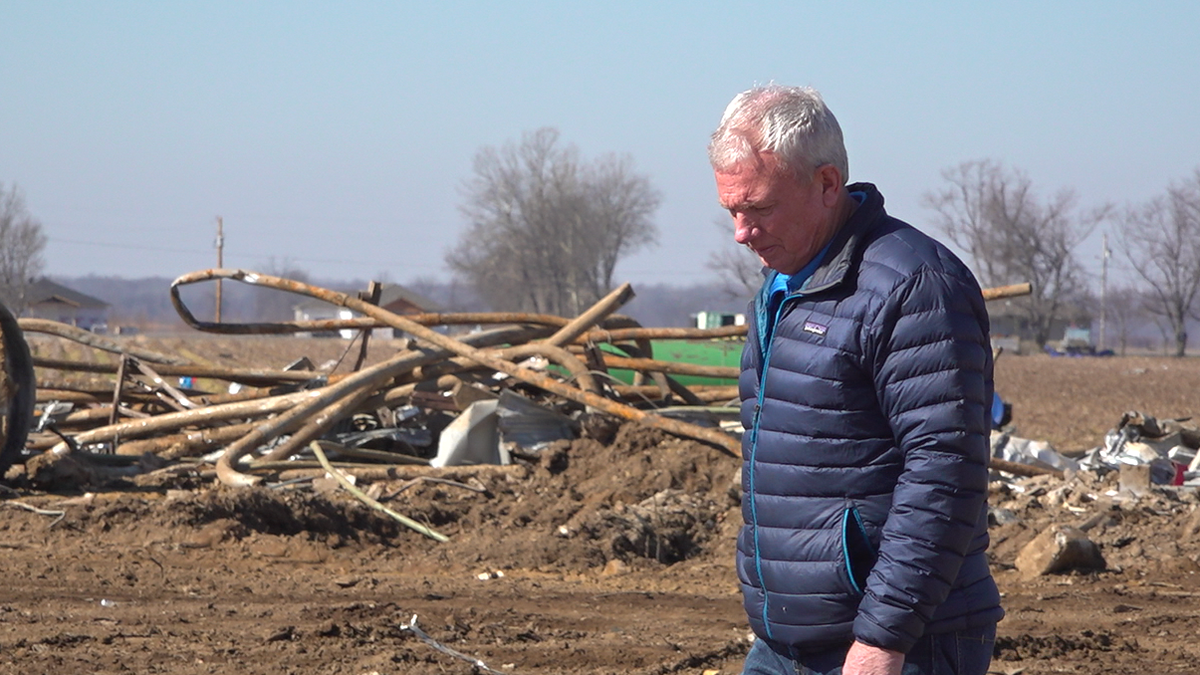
<point x="672" y="367"/>
<point x="87" y="417"/>
<point x="720" y="395"/>
<point x="622" y="334"/>
<point x="997" y="292"/>
<point x="48" y="394"/>
<point x="700" y="390"/>
<point x="409" y="472"/>
<point x="584" y="322"/>
<point x="1026" y="470"/>
<point x="374" y="455"/>
<point x="140" y="428"/>
<point x="183" y="444"/>
<point x="31" y="325"/>
<point x="114" y="412"/>
<point x="244" y="375"/>
<point x="639" y="377"/>
<point x="371" y="296"/>
<point x="705" y="395"/>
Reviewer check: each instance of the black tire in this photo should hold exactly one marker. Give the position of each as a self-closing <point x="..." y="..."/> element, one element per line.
<point x="21" y="392"/>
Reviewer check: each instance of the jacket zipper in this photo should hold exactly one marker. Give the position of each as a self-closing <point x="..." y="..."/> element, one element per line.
<point x="758" y="405"/>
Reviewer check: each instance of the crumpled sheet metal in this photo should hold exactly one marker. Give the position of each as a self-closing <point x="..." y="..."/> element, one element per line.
<point x="1169" y="446"/>
<point x="1029" y="452"/>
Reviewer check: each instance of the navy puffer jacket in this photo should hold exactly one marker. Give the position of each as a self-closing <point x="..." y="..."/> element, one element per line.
<point x="866" y="450"/>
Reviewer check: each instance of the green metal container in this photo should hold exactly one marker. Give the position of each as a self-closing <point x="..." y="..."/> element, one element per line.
<point x="719" y="352"/>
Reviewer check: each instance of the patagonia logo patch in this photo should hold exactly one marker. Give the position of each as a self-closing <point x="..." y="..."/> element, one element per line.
<point x="815" y="328"/>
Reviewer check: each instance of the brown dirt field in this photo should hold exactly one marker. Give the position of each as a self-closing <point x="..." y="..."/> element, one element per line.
<point x="603" y="558"/>
<point x="1071" y="402"/>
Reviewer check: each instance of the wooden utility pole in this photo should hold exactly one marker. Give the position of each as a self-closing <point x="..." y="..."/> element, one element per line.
<point x="220" y="262"/>
<point x="1103" y="288"/>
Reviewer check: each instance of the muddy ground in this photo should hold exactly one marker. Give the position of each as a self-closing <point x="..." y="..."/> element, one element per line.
<point x="599" y="558"/>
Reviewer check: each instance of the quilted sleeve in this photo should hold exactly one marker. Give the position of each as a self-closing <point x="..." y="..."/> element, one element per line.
<point x="932" y="364"/>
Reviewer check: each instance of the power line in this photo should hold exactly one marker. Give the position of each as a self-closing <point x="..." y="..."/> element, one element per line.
<point x="123" y="245"/>
<point x="241" y="255"/>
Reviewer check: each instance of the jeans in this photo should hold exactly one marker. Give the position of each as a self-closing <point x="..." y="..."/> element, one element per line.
<point x="967" y="652"/>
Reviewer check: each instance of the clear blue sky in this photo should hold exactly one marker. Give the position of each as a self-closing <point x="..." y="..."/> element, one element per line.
<point x="337" y="135"/>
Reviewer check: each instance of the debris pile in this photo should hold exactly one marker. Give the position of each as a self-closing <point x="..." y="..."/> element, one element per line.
<point x="1093" y="514"/>
<point x="500" y="391"/>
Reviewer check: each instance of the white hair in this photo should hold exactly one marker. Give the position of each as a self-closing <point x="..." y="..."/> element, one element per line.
<point x="791" y="122"/>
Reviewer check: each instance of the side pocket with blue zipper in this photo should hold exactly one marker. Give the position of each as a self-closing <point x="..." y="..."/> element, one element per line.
<point x="858" y="552"/>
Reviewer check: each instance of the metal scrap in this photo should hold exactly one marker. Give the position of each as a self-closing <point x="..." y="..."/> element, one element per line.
<point x="1168" y="447"/>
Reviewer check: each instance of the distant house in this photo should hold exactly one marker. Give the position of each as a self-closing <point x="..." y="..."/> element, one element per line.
<point x="49" y="300"/>
<point x="392" y="297"/>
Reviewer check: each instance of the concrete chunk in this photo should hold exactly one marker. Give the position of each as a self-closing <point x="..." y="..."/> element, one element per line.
<point x="1058" y="549"/>
<point x="1135" y="479"/>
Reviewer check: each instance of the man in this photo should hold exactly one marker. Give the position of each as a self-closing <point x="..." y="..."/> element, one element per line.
<point x="866" y="384"/>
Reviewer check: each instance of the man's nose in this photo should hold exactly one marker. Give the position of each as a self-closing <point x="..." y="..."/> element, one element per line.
<point x="744" y="229"/>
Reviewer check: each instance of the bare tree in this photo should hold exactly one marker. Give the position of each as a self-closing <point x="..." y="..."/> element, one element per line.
<point x="546" y="229"/>
<point x="738" y="268"/>
<point x="1161" y="241"/>
<point x="1012" y="236"/>
<point x="21" y="244"/>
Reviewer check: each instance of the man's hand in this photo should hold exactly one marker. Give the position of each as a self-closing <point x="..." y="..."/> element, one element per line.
<point x="864" y="659"/>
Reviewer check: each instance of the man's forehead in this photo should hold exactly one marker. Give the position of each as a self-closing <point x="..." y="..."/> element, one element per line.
<point x="737" y="189"/>
<point x="746" y="186"/>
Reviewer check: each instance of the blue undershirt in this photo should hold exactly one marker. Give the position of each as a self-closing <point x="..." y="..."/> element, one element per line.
<point x="785" y="284"/>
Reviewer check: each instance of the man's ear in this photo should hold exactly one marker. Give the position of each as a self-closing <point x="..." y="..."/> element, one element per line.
<point x="831" y="182"/>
